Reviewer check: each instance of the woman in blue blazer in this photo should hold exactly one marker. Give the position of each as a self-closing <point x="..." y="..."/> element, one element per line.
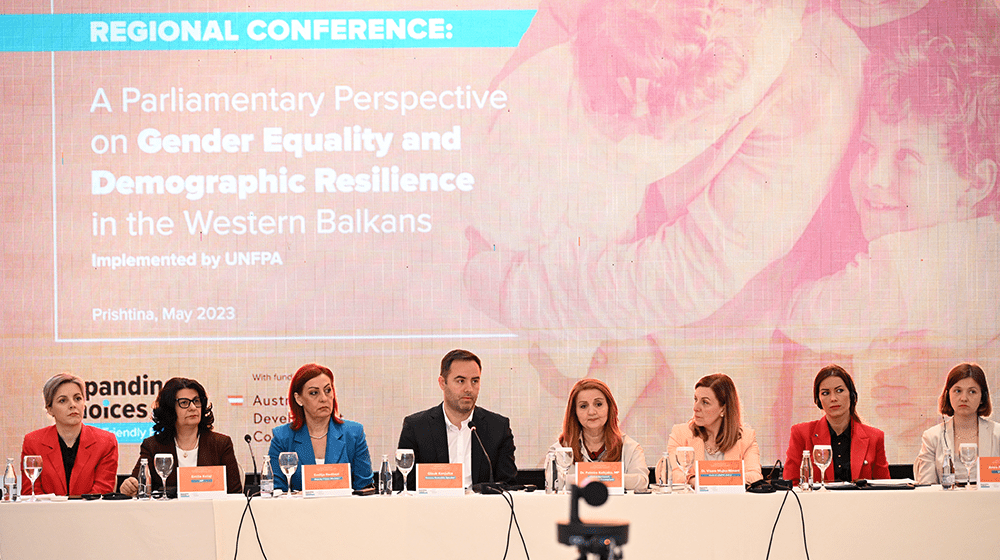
<point x="317" y="432"/>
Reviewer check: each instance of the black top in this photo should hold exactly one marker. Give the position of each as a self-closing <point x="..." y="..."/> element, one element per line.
<point x="69" y="457"/>
<point x="841" y="453"/>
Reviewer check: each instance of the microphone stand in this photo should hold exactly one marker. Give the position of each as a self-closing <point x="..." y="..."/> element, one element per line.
<point x="254" y="487"/>
<point x="490" y="487"/>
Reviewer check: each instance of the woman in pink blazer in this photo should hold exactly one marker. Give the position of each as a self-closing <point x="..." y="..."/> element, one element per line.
<point x="859" y="450"/>
<point x="76" y="459"/>
<point x="715" y="431"/>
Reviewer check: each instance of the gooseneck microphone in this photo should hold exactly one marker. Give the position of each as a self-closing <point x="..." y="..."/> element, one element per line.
<point x="491" y="487"/>
<point x="256" y="473"/>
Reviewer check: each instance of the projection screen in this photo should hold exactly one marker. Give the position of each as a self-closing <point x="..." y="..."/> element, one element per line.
<point x="643" y="192"/>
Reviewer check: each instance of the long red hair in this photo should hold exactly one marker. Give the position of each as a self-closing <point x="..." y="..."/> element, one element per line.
<point x="571" y="430"/>
<point x="299" y="380"/>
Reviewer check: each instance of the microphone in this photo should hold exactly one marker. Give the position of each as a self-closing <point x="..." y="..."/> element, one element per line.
<point x="253" y="488"/>
<point x="490" y="487"/>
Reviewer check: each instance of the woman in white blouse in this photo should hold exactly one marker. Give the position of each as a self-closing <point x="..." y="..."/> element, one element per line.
<point x="965" y="408"/>
<point x="590" y="427"/>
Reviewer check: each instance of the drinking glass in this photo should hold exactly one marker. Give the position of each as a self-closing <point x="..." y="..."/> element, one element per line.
<point x="822" y="456"/>
<point x="685" y="458"/>
<point x="288" y="461"/>
<point x="564" y="460"/>
<point x="33" y="468"/>
<point x="164" y="464"/>
<point x="968" y="453"/>
<point x="404" y="463"/>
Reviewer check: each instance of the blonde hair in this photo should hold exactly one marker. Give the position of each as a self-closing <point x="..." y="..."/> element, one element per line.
<point x="56" y="381"/>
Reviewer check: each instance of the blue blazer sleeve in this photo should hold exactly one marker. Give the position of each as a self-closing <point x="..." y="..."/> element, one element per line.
<point x="356" y="447"/>
<point x="281" y="441"/>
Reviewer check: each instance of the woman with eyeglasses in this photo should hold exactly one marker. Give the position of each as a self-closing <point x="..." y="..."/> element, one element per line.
<point x="182" y="427"/>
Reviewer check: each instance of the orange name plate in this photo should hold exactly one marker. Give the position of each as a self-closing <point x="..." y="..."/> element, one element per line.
<point x="718" y="477"/>
<point x="440" y="479"/>
<point x="201" y="482"/>
<point x="610" y="474"/>
<point x="989" y="473"/>
<point x="326" y="480"/>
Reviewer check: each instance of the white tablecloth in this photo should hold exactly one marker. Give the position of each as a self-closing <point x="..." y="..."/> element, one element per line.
<point x="924" y="523"/>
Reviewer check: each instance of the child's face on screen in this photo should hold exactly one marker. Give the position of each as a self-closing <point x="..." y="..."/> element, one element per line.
<point x="902" y="179"/>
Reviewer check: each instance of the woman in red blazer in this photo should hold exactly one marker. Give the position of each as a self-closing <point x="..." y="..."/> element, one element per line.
<point x="862" y="449"/>
<point x="76" y="459"/>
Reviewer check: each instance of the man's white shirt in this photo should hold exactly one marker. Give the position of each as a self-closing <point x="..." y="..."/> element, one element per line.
<point x="460" y="446"/>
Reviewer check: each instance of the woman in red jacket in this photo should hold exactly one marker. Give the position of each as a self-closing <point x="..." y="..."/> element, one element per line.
<point x="76" y="459"/>
<point x="858" y="449"/>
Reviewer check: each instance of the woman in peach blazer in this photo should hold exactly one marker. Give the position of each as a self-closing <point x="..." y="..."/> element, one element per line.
<point x="715" y="431"/>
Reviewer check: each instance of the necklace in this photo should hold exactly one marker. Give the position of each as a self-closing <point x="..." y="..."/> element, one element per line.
<point x="320" y="436"/>
<point x="967" y="431"/>
<point x="184" y="452"/>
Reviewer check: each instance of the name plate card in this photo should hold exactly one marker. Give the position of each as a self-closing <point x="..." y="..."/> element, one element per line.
<point x="201" y="482"/>
<point x="610" y="474"/>
<point x="719" y="477"/>
<point x="989" y="473"/>
<point x="326" y="480"/>
<point x="440" y="479"/>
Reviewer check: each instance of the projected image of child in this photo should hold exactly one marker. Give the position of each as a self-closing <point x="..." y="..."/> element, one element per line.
<point x="925" y="187"/>
<point x="677" y="151"/>
<point x="608" y="97"/>
<point x="745" y="199"/>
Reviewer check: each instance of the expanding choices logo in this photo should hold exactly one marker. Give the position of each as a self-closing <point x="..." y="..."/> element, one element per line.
<point x="114" y="405"/>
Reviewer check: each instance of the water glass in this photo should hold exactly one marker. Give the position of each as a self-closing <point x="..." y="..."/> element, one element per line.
<point x="404" y="463"/>
<point x="33" y="468"/>
<point x="685" y="458"/>
<point x="823" y="457"/>
<point x="968" y="453"/>
<point x="164" y="464"/>
<point x="288" y="462"/>
<point x="564" y="460"/>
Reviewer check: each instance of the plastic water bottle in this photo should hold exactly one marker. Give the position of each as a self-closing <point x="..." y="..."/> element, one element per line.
<point x="385" y="477"/>
<point x="948" y="472"/>
<point x="550" y="472"/>
<point x="266" y="478"/>
<point x="805" y="472"/>
<point x="667" y="484"/>
<point x="10" y="482"/>
<point x="143" y="492"/>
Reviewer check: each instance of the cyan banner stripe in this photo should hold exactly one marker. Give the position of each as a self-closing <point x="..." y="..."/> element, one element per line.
<point x="263" y="30"/>
<point x="127" y="432"/>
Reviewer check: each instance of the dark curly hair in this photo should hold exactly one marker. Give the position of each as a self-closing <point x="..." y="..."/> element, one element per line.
<point x="165" y="413"/>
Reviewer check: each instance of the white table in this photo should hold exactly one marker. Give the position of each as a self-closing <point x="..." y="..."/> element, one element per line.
<point x="925" y="523"/>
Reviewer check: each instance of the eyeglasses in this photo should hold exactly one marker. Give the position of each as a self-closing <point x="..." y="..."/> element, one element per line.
<point x="185" y="403"/>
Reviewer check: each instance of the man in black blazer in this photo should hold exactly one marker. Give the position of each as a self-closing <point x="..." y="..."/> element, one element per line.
<point x="435" y="433"/>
